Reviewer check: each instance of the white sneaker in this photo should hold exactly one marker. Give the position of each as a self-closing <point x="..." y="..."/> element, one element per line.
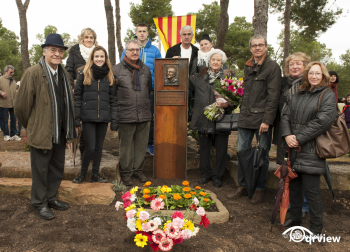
<point x="7" y="138"/>
<point x="16" y="138"/>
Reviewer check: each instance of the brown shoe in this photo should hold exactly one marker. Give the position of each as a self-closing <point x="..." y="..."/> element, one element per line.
<point x="141" y="177"/>
<point x="257" y="197"/>
<point x="126" y="180"/>
<point x="238" y="193"/>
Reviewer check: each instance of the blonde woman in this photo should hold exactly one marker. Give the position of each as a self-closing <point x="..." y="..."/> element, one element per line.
<point x="95" y="104"/>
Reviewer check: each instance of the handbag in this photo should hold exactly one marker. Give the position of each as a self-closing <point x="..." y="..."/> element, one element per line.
<point x="227" y="124"/>
<point x="336" y="141"/>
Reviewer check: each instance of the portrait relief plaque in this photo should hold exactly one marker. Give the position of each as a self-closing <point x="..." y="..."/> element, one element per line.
<point x="170" y="118"/>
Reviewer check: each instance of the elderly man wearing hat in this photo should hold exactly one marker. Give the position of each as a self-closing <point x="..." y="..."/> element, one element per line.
<point x="44" y="106"/>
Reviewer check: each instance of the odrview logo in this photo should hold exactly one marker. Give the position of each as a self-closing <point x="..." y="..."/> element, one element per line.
<point x="298" y="234"/>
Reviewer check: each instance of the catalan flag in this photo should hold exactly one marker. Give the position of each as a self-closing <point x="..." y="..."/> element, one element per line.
<point x="169" y="29"/>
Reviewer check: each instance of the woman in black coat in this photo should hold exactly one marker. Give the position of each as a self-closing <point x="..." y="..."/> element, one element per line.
<point x="202" y="84"/>
<point x="301" y="124"/>
<point x="95" y="105"/>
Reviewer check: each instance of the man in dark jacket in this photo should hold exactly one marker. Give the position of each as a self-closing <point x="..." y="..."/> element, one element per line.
<point x="44" y="106"/>
<point x="134" y="112"/>
<point x="262" y="79"/>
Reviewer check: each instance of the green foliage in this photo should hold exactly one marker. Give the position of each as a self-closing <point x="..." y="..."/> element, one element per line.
<point x="207" y="21"/>
<point x="129" y="34"/>
<point x="312" y="17"/>
<point x="36" y="51"/>
<point x="118" y="186"/>
<point x="147" y="10"/>
<point x="343" y="71"/>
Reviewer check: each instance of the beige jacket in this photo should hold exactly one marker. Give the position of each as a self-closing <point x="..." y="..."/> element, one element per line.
<point x="9" y="90"/>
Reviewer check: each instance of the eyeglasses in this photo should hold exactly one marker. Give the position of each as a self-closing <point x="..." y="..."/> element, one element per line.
<point x="257" y="45"/>
<point x="54" y="50"/>
<point x="316" y="73"/>
<point x="133" y="50"/>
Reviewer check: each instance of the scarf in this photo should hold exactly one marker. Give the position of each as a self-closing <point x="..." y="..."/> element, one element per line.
<point x="134" y="69"/>
<point x="345" y="106"/>
<point x="203" y="58"/>
<point x="99" y="72"/>
<point x="334" y="86"/>
<point x="85" y="52"/>
<point x="214" y="75"/>
<point x="69" y="104"/>
<point x="294" y="85"/>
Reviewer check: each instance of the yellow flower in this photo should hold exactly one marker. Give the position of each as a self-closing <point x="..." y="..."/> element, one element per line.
<point x="187" y="196"/>
<point x="141" y="240"/>
<point x="147" y="183"/>
<point x="202" y="193"/>
<point x="132" y="206"/>
<point x="145" y="196"/>
<point x="139" y="224"/>
<point x="198" y="187"/>
<point x="188" y="225"/>
<point x="146" y="191"/>
<point x="185" y="183"/>
<point x="165" y="189"/>
<point x="240" y="79"/>
<point x="186" y="189"/>
<point x="206" y="199"/>
<point x="162" y="196"/>
<point x="176" y="196"/>
<point x="194" y="193"/>
<point x="169" y="221"/>
<point x="134" y="189"/>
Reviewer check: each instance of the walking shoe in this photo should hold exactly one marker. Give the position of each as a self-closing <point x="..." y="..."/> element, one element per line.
<point x="79" y="179"/>
<point x="16" y="138"/>
<point x="97" y="178"/>
<point x="217" y="183"/>
<point x="58" y="205"/>
<point x="126" y="180"/>
<point x="150" y="149"/>
<point x="45" y="213"/>
<point x="7" y="138"/>
<point x="238" y="193"/>
<point x="289" y="223"/>
<point x="141" y="177"/>
<point x="257" y="197"/>
<point x="203" y="181"/>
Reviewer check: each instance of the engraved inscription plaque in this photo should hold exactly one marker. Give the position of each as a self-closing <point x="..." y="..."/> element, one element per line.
<point x="170" y="97"/>
<point x="171" y="75"/>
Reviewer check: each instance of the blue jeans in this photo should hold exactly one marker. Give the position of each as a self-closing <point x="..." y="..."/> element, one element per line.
<point x="245" y="138"/>
<point x="6" y="113"/>
<point x="19" y="128"/>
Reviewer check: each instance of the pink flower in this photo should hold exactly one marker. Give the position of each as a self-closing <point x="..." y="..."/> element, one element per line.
<point x="224" y="87"/>
<point x="200" y="211"/>
<point x="239" y="83"/>
<point x="231" y="88"/>
<point x="126" y="196"/>
<point x="127" y="203"/>
<point x="166" y="244"/>
<point x="240" y="91"/>
<point x="178" y="241"/>
<point x="157" y="204"/>
<point x="158" y="236"/>
<point x="130" y="214"/>
<point x="117" y="205"/>
<point x="186" y="234"/>
<point x="172" y="231"/>
<point x="222" y="82"/>
<point x="146" y="227"/>
<point x="178" y="214"/>
<point x="196" y="201"/>
<point x="143" y="215"/>
<point x="229" y="81"/>
<point x="153" y="225"/>
<point x="178" y="222"/>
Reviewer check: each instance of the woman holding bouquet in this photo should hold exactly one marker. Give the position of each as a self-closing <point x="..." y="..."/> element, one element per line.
<point x="203" y="86"/>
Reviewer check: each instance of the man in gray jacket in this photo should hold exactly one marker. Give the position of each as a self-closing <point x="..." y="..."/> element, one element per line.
<point x="262" y="84"/>
<point x="134" y="112"/>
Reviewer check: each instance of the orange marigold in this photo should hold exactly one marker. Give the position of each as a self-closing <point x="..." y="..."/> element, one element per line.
<point x="162" y="196"/>
<point x="206" y="199"/>
<point x="145" y="196"/>
<point x="198" y="187"/>
<point x="186" y="189"/>
<point x="145" y="191"/>
<point x="148" y="183"/>
<point x="187" y="196"/>
<point x="202" y="193"/>
<point x="176" y="196"/>
<point x="194" y="193"/>
<point x="185" y="183"/>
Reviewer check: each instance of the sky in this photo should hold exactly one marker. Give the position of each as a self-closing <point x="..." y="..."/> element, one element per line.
<point x="71" y="16"/>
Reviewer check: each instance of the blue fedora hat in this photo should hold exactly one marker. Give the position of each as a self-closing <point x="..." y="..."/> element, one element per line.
<point x="54" y="40"/>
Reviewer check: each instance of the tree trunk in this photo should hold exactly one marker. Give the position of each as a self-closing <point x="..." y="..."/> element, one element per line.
<point x="286" y="31"/>
<point x="22" y="11"/>
<point x="222" y="24"/>
<point x="118" y="28"/>
<point x="260" y="17"/>
<point x="110" y="29"/>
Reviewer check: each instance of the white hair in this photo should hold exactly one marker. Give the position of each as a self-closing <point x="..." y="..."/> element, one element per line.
<point x="186" y="27"/>
<point x="219" y="52"/>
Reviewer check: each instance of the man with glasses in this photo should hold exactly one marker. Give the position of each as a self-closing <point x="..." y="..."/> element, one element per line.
<point x="44" y="107"/>
<point x="8" y="88"/>
<point x="262" y="79"/>
<point x="134" y="112"/>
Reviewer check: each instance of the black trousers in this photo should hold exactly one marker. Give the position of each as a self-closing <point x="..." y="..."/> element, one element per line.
<point x="47" y="173"/>
<point x="310" y="184"/>
<point x="220" y="142"/>
<point x="151" y="129"/>
<point x="94" y="134"/>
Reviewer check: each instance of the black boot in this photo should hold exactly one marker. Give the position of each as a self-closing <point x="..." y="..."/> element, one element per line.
<point x="97" y="178"/>
<point x="79" y="179"/>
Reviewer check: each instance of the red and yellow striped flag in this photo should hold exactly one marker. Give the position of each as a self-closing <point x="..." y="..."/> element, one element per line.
<point x="169" y="29"/>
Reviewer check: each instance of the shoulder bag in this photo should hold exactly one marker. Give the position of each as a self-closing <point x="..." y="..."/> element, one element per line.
<point x="227" y="124"/>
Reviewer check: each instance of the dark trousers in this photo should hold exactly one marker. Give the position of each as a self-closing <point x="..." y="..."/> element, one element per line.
<point x="94" y="134"/>
<point x="6" y="113"/>
<point x="47" y="173"/>
<point x="0" y="118"/>
<point x="151" y="129"/>
<point x="310" y="184"/>
<point x="220" y="142"/>
<point x="19" y="128"/>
